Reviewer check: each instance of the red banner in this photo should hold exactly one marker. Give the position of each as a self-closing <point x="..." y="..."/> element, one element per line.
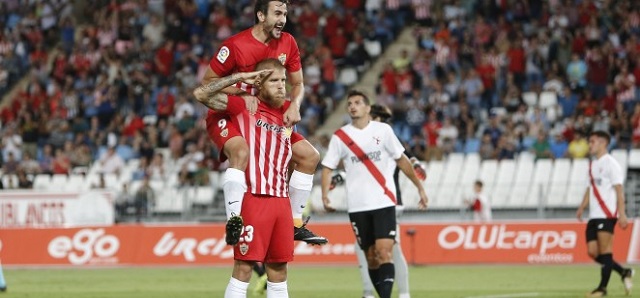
<point x="500" y="242"/>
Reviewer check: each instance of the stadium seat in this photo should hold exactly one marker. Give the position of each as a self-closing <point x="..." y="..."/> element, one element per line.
<point x="41" y="181"/>
<point x="559" y="183"/>
<point x="548" y="99"/>
<point x="58" y="182"/>
<point x="469" y="175"/>
<point x="540" y="183"/>
<point x="450" y="179"/>
<point x="373" y="47"/>
<point x="76" y="183"/>
<point x="622" y="157"/>
<point x="203" y="195"/>
<point x="578" y="181"/>
<point x="634" y="159"/>
<point x="488" y="171"/>
<point x="348" y="76"/>
<point x="530" y="98"/>
<point x="522" y="181"/>
<point x="10" y="181"/>
<point x="499" y="198"/>
<point x="435" y="170"/>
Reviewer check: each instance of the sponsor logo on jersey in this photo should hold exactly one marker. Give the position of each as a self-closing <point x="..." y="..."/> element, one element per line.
<point x="374" y="156"/>
<point x="377" y="140"/>
<point x="285" y="131"/>
<point x="223" y="54"/>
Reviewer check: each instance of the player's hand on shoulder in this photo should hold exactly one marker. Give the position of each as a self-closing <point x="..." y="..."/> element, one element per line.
<point x="327" y="204"/>
<point x="292" y="115"/>
<point x="251" y="102"/>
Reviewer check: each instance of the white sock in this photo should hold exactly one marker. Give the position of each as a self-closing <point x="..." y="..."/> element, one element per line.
<point x="234" y="187"/>
<point x="277" y="289"/>
<point x="300" y="186"/>
<point x="402" y="271"/>
<point x="236" y="289"/>
<point x="367" y="286"/>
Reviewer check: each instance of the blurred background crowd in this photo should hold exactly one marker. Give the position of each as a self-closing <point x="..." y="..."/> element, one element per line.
<point x="111" y="81"/>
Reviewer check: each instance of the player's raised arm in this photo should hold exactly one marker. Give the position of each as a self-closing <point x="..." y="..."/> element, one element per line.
<point x="211" y="94"/>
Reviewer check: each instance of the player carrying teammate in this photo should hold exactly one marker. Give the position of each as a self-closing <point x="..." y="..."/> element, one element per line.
<point x="267" y="235"/>
<point x="241" y="53"/>
<point x="368" y="150"/>
<point x="605" y="198"/>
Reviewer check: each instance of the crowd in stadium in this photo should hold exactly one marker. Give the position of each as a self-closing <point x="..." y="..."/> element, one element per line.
<point x="124" y="79"/>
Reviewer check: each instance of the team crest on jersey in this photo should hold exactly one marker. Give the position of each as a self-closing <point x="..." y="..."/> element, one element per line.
<point x="282" y="58"/>
<point x="223" y="54"/>
<point x="377" y="140"/>
<point x="287" y="132"/>
<point x="224" y="133"/>
<point x="244" y="248"/>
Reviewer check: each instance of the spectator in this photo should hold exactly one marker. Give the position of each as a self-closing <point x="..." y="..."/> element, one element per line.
<point x="479" y="204"/>
<point x="487" y="150"/>
<point x="61" y="164"/>
<point x="559" y="146"/>
<point x="110" y="162"/>
<point x="11" y="165"/>
<point x="541" y="148"/>
<point x="12" y="144"/>
<point x="144" y="199"/>
<point x="123" y="201"/>
<point x="23" y="181"/>
<point x="578" y="147"/>
<point x="28" y="165"/>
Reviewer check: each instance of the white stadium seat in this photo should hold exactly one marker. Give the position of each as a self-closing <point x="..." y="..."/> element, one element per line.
<point x="578" y="181"/>
<point x="76" y="183"/>
<point x="548" y="99"/>
<point x="559" y="183"/>
<point x="540" y="182"/>
<point x="504" y="183"/>
<point x="622" y="157"/>
<point x="488" y="175"/>
<point x="450" y="180"/>
<point x="435" y="170"/>
<point x="634" y="159"/>
<point x="522" y="181"/>
<point x="470" y="171"/>
<point x="58" y="182"/>
<point x="41" y="182"/>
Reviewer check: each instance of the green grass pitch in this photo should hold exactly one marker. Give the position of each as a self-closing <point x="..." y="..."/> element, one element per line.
<point x="487" y="281"/>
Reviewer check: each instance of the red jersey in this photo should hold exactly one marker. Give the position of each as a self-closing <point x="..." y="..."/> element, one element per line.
<point x="269" y="146"/>
<point x="241" y="53"/>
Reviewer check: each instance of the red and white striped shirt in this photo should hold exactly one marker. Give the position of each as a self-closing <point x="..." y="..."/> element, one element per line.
<point x="269" y="146"/>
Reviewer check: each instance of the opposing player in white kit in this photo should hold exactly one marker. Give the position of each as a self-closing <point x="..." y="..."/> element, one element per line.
<point x="370" y="152"/>
<point x="605" y="198"/>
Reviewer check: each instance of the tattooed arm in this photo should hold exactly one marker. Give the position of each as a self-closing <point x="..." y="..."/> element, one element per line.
<point x="211" y="96"/>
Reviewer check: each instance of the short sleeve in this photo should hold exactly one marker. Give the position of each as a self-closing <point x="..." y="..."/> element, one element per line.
<point x="224" y="61"/>
<point x="392" y="144"/>
<point x="293" y="63"/>
<point x="334" y="153"/>
<point x="616" y="173"/>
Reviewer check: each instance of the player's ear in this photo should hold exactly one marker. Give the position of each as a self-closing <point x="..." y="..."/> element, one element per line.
<point x="261" y="16"/>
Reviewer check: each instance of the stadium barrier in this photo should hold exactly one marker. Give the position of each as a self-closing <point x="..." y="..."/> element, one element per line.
<point x="450" y="243"/>
<point x="35" y="209"/>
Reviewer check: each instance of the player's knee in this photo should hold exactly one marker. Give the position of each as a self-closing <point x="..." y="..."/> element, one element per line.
<point x="242" y="271"/>
<point x="592" y="253"/>
<point x="384" y="254"/>
<point x="276" y="272"/>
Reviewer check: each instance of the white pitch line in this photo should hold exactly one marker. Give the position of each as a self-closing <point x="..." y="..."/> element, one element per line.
<point x="507" y="295"/>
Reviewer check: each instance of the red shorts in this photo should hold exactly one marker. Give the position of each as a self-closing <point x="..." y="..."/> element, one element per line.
<point x="268" y="230"/>
<point x="221" y="129"/>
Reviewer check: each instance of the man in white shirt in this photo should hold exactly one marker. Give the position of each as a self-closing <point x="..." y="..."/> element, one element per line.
<point x="479" y="204"/>
<point x="370" y="151"/>
<point x="605" y="197"/>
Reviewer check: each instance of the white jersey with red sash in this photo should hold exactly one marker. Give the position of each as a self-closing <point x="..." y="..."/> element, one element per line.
<point x="604" y="173"/>
<point x="369" y="157"/>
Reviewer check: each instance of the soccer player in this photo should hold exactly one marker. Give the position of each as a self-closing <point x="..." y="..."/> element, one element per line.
<point x="241" y="53"/>
<point x="383" y="114"/>
<point x="479" y="204"/>
<point x="605" y="198"/>
<point x="370" y="151"/>
<point x="266" y="213"/>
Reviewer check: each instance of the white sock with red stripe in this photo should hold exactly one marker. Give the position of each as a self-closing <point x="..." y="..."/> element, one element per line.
<point x="236" y="289"/>
<point x="277" y="289"/>
<point x="234" y="187"/>
<point x="300" y="186"/>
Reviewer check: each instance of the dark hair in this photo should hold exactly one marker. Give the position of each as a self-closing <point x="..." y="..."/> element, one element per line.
<point x="269" y="63"/>
<point x="479" y="183"/>
<point x="601" y="134"/>
<point x="359" y="93"/>
<point x="263" y="6"/>
<point x="378" y="110"/>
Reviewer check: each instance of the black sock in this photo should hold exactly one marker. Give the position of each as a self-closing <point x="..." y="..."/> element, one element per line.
<point x="615" y="266"/>
<point x="374" y="274"/>
<point x="387" y="276"/>
<point x="259" y="268"/>
<point x="605" y="272"/>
